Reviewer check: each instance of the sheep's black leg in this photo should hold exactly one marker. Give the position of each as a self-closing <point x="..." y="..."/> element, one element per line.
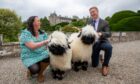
<point x="61" y="75"/>
<point x="54" y="74"/>
<point x="84" y="65"/>
<point x="76" y="66"/>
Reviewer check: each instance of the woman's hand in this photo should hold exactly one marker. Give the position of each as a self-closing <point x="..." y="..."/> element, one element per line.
<point x="33" y="45"/>
<point x="46" y="42"/>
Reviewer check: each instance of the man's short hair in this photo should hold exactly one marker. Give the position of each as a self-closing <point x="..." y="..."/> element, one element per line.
<point x="94" y="7"/>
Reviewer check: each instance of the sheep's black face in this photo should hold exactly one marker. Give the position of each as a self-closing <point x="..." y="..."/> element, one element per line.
<point x="57" y="49"/>
<point x="88" y="39"/>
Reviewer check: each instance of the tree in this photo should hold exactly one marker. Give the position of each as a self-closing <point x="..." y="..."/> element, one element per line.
<point x="121" y="15"/>
<point x="79" y="23"/>
<point x="125" y="21"/>
<point x="45" y="24"/>
<point x="107" y="18"/>
<point x="24" y="24"/>
<point x="62" y="24"/>
<point x="10" y="25"/>
<point x="127" y="24"/>
<point x="69" y="28"/>
<point x="138" y="11"/>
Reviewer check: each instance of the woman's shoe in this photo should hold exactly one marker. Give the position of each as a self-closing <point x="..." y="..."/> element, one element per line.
<point x="28" y="74"/>
<point x="41" y="77"/>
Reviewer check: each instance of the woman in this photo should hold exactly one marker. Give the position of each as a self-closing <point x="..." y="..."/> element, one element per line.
<point x="33" y="48"/>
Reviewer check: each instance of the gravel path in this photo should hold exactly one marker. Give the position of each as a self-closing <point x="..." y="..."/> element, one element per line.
<point x="124" y="69"/>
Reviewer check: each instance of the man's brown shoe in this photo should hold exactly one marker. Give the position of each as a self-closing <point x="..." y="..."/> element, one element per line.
<point x="105" y="70"/>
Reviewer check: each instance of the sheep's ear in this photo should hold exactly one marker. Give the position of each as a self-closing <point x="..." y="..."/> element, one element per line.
<point x="67" y="39"/>
<point x="79" y="34"/>
<point x="50" y="38"/>
<point x="69" y="46"/>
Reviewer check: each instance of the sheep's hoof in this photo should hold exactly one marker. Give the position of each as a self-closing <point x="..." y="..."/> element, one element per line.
<point x="55" y="77"/>
<point x="76" y="69"/>
<point x="84" y="68"/>
<point x="60" y="78"/>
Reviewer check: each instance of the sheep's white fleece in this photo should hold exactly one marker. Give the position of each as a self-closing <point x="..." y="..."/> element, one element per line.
<point x="60" y="62"/>
<point x="80" y="51"/>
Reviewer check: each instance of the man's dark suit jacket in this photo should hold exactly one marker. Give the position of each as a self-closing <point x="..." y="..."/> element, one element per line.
<point x="103" y="27"/>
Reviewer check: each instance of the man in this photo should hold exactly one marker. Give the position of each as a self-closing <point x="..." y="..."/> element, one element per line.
<point x="102" y="28"/>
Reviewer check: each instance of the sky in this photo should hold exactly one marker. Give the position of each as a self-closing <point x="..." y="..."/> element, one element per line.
<point x="80" y="8"/>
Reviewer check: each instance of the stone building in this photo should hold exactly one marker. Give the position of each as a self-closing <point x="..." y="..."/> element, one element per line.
<point x="55" y="19"/>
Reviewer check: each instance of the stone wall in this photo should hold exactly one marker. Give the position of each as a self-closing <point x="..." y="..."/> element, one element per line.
<point x="124" y="36"/>
<point x="13" y="49"/>
<point x="10" y="49"/>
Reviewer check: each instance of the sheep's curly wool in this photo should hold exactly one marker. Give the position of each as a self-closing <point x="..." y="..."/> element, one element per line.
<point x="81" y="44"/>
<point x="59" y="51"/>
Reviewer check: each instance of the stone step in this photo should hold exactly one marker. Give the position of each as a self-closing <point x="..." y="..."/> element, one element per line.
<point x="5" y="53"/>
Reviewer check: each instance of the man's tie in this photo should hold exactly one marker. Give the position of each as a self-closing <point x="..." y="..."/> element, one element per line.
<point x="94" y="21"/>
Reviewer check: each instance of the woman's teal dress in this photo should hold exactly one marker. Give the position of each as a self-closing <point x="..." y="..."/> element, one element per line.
<point x="29" y="56"/>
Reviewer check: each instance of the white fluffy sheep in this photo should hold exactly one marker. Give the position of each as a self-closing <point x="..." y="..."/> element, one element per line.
<point x="60" y="54"/>
<point x="81" y="44"/>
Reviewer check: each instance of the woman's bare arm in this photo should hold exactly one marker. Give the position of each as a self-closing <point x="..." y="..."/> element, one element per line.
<point x="33" y="45"/>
